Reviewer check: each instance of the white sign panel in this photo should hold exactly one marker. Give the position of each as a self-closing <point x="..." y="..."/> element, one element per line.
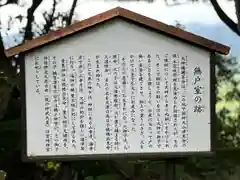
<point x="110" y="103"/>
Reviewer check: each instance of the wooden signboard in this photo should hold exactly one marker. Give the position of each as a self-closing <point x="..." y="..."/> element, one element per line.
<point x="120" y="85"/>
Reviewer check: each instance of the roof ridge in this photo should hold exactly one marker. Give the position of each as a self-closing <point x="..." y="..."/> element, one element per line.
<point x="124" y="13"/>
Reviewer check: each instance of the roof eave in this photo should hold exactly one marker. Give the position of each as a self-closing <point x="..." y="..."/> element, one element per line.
<point x="124" y="13"/>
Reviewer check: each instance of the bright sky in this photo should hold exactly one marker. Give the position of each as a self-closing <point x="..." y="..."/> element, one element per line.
<point x="198" y="12"/>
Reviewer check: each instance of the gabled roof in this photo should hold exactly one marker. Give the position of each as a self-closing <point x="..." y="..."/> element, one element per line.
<point x="126" y="14"/>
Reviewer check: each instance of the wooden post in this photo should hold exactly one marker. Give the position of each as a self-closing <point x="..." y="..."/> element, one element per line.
<point x="170" y="169"/>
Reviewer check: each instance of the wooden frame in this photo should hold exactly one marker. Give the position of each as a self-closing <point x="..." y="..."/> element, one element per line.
<point x="154" y="156"/>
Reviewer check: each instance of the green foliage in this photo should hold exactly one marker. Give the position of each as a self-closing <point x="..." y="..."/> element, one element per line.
<point x="2" y="175"/>
<point x="228" y="95"/>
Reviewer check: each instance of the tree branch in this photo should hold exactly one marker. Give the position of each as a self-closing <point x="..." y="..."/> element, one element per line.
<point x="28" y="35"/>
<point x="10" y="2"/>
<point x="2" y="54"/>
<point x="223" y="16"/>
<point x="69" y="21"/>
<point x="6" y="66"/>
<point x="237" y="7"/>
<point x="30" y="18"/>
<point x="49" y="19"/>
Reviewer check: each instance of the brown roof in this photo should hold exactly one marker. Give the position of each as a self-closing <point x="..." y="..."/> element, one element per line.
<point x="129" y="15"/>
